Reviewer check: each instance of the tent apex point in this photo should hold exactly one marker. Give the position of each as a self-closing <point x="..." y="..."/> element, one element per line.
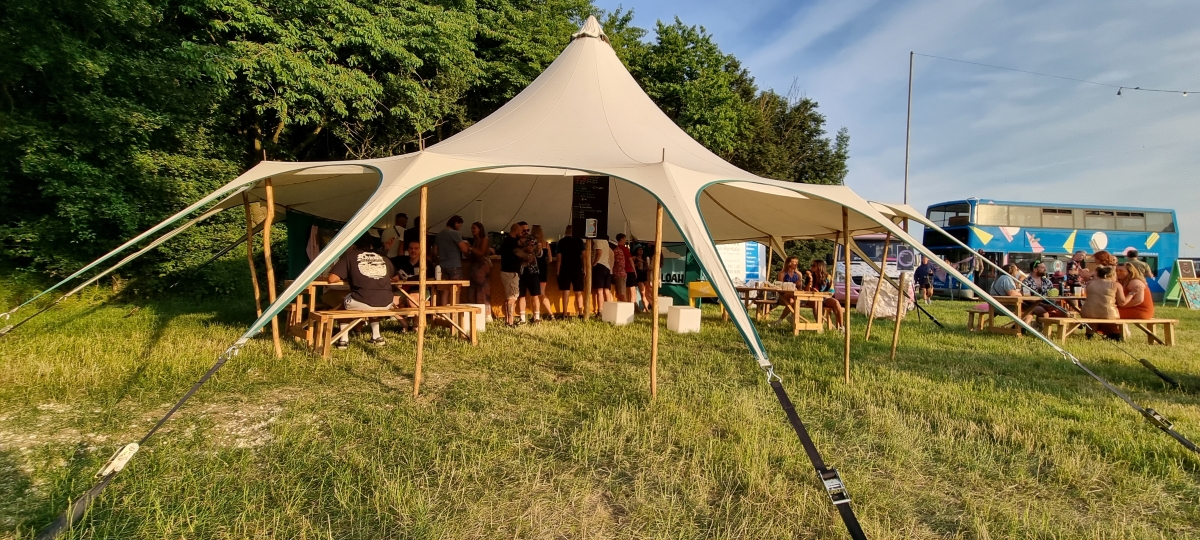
<point x="591" y="28"/>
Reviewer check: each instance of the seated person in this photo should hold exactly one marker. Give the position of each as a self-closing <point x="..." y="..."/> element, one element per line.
<point x="1104" y="294"/>
<point x="408" y="269"/>
<point x="1138" y="303"/>
<point x="1040" y="284"/>
<point x="823" y="282"/>
<point x="1005" y="284"/>
<point x="369" y="276"/>
<point x="789" y="274"/>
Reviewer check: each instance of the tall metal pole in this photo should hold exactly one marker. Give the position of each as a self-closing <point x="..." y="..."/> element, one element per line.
<point x="908" y="132"/>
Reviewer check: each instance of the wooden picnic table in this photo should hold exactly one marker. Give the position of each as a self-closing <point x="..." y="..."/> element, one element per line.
<point x="299" y="318"/>
<point x="1016" y="304"/>
<point x="799" y="298"/>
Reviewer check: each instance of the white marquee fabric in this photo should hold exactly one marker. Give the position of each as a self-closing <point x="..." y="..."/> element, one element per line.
<point x="584" y="115"/>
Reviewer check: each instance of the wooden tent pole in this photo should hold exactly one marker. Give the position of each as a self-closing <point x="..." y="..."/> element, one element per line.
<point x="655" y="283"/>
<point x="878" y="285"/>
<point x="770" y="259"/>
<point x="846" y="283"/>
<point x="587" y="279"/>
<point x="421" y="293"/>
<point x="250" y="253"/>
<point x="901" y="300"/>
<point x="270" y="269"/>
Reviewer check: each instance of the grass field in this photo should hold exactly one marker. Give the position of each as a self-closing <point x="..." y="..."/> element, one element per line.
<point x="549" y="432"/>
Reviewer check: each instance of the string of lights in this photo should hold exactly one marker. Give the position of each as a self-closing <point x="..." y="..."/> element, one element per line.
<point x="1118" y="87"/>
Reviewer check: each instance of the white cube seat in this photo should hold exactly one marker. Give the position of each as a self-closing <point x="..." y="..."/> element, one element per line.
<point x="683" y="319"/>
<point x="665" y="303"/>
<point x="617" y="313"/>
<point x="481" y="318"/>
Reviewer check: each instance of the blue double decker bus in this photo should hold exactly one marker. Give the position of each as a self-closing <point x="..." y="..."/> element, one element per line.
<point x="1022" y="232"/>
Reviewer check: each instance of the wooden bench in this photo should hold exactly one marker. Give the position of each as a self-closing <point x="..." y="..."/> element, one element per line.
<point x="976" y="318"/>
<point x="1066" y="326"/>
<point x="322" y="322"/>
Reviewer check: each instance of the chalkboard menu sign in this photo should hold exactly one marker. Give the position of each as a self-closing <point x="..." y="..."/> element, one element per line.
<point x="1186" y="269"/>
<point x="589" y="207"/>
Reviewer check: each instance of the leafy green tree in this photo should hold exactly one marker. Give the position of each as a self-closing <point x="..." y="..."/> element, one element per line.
<point x="692" y="81"/>
<point x="331" y="78"/>
<point x="103" y="126"/>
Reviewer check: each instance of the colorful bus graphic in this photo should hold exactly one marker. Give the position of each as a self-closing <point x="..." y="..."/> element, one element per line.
<point x="1022" y="232"/>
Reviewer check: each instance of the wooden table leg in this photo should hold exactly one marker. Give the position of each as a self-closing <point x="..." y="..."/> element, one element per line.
<point x="795" y="305"/>
<point x="819" y="308"/>
<point x="475" y="327"/>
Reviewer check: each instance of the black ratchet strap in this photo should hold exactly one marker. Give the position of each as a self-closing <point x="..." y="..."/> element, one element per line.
<point x="830" y="479"/>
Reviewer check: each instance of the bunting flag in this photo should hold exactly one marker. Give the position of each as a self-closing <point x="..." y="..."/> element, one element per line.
<point x="983" y="235"/>
<point x="1070" y="245"/>
<point x="1009" y="232"/>
<point x="1152" y="240"/>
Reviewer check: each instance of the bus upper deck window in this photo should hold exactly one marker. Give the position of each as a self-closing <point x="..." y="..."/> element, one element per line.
<point x="1131" y="221"/>
<point x="991" y="214"/>
<point x="1100" y="220"/>
<point x="1159" y="222"/>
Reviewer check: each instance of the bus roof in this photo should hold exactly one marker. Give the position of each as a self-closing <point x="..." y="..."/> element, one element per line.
<point x="1053" y="204"/>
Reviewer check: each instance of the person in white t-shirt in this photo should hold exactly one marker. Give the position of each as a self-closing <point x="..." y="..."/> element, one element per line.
<point x="393" y="237"/>
<point x="602" y="273"/>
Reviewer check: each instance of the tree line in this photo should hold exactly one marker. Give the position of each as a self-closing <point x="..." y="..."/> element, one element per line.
<point x="116" y="113"/>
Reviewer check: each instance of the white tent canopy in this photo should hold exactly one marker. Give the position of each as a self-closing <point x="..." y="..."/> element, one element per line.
<point x="584" y="115"/>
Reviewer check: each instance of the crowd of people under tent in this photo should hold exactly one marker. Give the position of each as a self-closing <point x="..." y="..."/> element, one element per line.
<point x="378" y="263"/>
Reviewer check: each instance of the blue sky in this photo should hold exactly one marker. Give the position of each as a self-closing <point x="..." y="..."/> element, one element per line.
<point x="978" y="131"/>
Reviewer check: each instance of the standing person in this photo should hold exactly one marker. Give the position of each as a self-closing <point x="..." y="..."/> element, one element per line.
<point x="1138" y="302"/>
<point x="530" y="281"/>
<point x="543" y="265"/>
<point x="630" y="287"/>
<point x="450" y="251"/>
<point x="1103" y="295"/>
<point x="924" y="278"/>
<point x="393" y="237"/>
<point x="823" y="282"/>
<point x="1131" y="256"/>
<point x="620" y="272"/>
<point x="1078" y="263"/>
<point x="602" y="273"/>
<point x="511" y="260"/>
<point x="641" y="269"/>
<point x="370" y="277"/>
<point x="570" y="271"/>
<point x="481" y="267"/>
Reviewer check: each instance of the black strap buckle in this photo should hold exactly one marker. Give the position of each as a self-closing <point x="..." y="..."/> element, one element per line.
<point x="835" y="487"/>
<point x="1158" y="420"/>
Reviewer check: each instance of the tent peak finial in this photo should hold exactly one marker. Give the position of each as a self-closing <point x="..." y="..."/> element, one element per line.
<point x="591" y="28"/>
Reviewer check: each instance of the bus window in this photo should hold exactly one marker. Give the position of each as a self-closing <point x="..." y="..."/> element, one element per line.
<point x="991" y="214"/>
<point x="1024" y="216"/>
<point x="1058" y="218"/>
<point x="949" y="215"/>
<point x="1131" y="221"/>
<point x="1159" y="222"/>
<point x="1100" y="220"/>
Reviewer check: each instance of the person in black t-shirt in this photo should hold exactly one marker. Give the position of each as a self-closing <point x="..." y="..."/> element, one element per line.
<point x="369" y="276"/>
<point x="512" y="258"/>
<point x="570" y="270"/>
<point x="924" y="278"/>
